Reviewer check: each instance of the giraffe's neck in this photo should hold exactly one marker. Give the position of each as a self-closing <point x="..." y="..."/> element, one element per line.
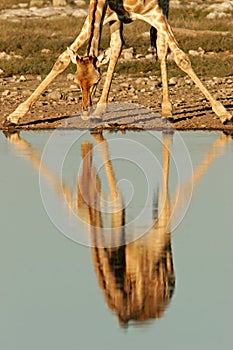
<point x="123" y="9"/>
<point x="97" y="10"/>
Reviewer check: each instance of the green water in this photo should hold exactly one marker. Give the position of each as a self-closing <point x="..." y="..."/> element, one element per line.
<point x="50" y="295"/>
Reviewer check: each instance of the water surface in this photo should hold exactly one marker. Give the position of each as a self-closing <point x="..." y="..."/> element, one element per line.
<point x="173" y="288"/>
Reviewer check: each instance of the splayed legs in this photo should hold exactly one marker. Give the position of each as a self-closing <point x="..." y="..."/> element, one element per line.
<point x="162" y="54"/>
<point x="59" y="66"/>
<point x="115" y="45"/>
<point x="157" y="20"/>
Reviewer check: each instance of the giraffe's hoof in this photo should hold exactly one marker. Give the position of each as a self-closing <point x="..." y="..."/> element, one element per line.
<point x="85" y="115"/>
<point x="96" y="116"/>
<point x="221" y="112"/>
<point x="9" y="125"/>
<point x="227" y="120"/>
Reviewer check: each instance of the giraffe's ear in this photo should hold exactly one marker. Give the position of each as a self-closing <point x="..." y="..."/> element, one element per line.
<point x="73" y="56"/>
<point x="104" y="57"/>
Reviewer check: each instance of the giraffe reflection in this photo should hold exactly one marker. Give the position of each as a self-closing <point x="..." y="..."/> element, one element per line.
<point x="138" y="278"/>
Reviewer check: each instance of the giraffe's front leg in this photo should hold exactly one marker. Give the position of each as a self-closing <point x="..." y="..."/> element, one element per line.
<point x="162" y="47"/>
<point x="157" y="20"/>
<point x="115" y="45"/>
<point x="183" y="61"/>
<point x="59" y="66"/>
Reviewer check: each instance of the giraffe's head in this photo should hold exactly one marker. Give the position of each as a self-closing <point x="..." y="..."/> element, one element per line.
<point x="87" y="74"/>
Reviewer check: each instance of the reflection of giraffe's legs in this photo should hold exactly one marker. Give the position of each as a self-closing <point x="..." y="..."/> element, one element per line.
<point x="116" y="45"/>
<point x="167" y="143"/>
<point x="59" y="66"/>
<point x="98" y="137"/>
<point x="117" y="211"/>
<point x="182" y="60"/>
<point x="163" y="194"/>
<point x="185" y="190"/>
<point x="162" y="54"/>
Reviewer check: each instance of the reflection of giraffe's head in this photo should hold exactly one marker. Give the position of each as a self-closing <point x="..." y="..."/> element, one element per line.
<point x="137" y="283"/>
<point x="87" y="74"/>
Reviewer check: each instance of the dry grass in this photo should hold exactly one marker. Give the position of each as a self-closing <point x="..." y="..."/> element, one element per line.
<point x="57" y="34"/>
<point x="196" y="20"/>
<point x="5" y="4"/>
<point x="36" y="35"/>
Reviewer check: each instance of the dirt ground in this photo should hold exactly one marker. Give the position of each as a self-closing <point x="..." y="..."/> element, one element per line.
<point x="135" y="100"/>
<point x="135" y="103"/>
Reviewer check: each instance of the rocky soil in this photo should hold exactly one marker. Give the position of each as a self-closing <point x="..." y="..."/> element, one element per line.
<point x="139" y="101"/>
<point x="61" y="102"/>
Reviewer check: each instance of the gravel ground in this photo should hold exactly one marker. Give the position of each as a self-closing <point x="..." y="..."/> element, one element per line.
<point x="135" y="102"/>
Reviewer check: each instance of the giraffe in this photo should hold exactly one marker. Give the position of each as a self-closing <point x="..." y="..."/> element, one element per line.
<point x="164" y="5"/>
<point x="117" y="12"/>
<point x="137" y="279"/>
